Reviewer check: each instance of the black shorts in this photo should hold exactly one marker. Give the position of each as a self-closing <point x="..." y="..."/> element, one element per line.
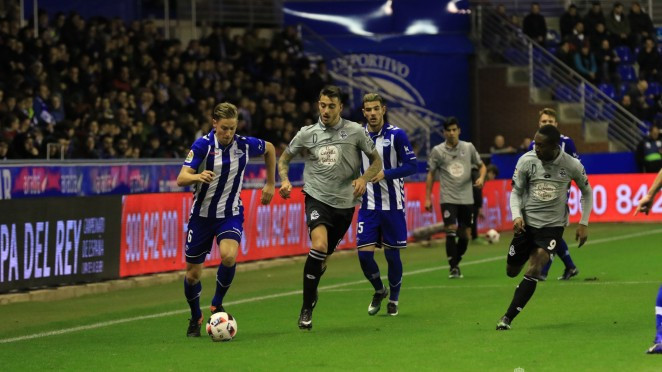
<point x="460" y="214"/>
<point x="336" y="220"/>
<point x="532" y="238"/>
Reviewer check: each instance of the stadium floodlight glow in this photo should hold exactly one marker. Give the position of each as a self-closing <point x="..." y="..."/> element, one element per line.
<point x="355" y="25"/>
<point x="451" y="7"/>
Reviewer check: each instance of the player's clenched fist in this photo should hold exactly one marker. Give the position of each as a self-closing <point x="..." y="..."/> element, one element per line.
<point x="206" y="176"/>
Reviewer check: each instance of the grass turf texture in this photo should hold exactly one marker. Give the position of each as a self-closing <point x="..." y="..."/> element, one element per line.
<point x="596" y="325"/>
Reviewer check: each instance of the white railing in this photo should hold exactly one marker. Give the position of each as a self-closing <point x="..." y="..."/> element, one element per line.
<point x="548" y="73"/>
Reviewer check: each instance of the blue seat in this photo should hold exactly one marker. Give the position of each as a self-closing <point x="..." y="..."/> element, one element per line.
<point x="625" y="54"/>
<point x="564" y="93"/>
<point x="541" y="77"/>
<point x="592" y="110"/>
<point x="608" y="112"/>
<point x="653" y="88"/>
<point x="627" y="73"/>
<point x="608" y="90"/>
<point x="515" y="57"/>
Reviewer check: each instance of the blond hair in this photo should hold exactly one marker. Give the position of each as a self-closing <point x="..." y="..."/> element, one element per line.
<point x="373" y="97"/>
<point x="225" y="110"/>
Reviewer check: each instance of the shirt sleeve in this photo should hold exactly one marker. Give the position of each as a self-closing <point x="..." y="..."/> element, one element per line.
<point x="434" y="161"/>
<point x="519" y="182"/>
<point x="197" y="154"/>
<point x="581" y="179"/>
<point x="570" y="148"/>
<point x="256" y="146"/>
<point x="406" y="157"/>
<point x="475" y="156"/>
<point x="296" y="144"/>
<point x="365" y="143"/>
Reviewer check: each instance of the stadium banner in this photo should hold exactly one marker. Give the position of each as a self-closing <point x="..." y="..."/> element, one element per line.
<point x="154" y="227"/>
<point x="55" y="241"/>
<point x="615" y="198"/>
<point x="42" y="180"/>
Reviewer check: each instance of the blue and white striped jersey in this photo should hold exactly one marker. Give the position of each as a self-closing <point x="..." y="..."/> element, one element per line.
<point x="221" y="197"/>
<point x="398" y="160"/>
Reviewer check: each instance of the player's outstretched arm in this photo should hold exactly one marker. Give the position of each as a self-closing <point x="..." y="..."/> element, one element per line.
<point x="187" y="176"/>
<point x="374" y="168"/>
<point x="646" y="202"/>
<point x="283" y="169"/>
<point x="270" y="163"/>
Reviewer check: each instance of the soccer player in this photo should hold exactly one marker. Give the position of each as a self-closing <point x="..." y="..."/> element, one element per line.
<point x="216" y="166"/>
<point x="453" y="159"/>
<point x="381" y="219"/>
<point x="333" y="185"/>
<point x="645" y="205"/>
<point x="547" y="116"/>
<point x="538" y="206"/>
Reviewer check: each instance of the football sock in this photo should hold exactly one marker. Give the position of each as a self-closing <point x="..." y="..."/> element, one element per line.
<point x="394" y="273"/>
<point x="312" y="272"/>
<point x="224" y="277"/>
<point x="462" y="245"/>
<point x="564" y="254"/>
<point x="451" y="248"/>
<point x="658" y="317"/>
<point x="192" y="293"/>
<point x="548" y="265"/>
<point x="370" y="269"/>
<point x="523" y="293"/>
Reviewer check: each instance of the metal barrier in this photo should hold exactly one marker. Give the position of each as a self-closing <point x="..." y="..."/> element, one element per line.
<point x="548" y="74"/>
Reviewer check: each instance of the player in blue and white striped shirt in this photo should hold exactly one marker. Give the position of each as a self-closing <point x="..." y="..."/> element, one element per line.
<point x="216" y="166"/>
<point x="381" y="219"/>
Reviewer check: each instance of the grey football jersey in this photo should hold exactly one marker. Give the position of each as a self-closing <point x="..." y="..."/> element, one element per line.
<point x="453" y="166"/>
<point x="540" y="190"/>
<point x="333" y="160"/>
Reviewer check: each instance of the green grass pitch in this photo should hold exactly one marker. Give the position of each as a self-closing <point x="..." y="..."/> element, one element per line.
<point x="604" y="324"/>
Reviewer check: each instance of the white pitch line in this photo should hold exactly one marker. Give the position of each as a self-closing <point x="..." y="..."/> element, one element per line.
<point x="284" y="294"/>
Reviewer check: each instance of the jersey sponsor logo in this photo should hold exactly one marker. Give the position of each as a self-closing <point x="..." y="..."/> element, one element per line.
<point x="544" y="191"/>
<point x="314" y="215"/>
<point x="511" y="250"/>
<point x="387" y="143"/>
<point x="408" y="151"/>
<point x="343" y="134"/>
<point x="456" y="169"/>
<point x="328" y="155"/>
<point x="189" y="157"/>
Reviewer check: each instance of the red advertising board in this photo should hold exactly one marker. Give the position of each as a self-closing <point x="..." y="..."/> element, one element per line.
<point x="154" y="225"/>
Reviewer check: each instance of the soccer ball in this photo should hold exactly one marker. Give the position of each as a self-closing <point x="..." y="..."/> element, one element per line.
<point x="492" y="236"/>
<point x="222" y="327"/>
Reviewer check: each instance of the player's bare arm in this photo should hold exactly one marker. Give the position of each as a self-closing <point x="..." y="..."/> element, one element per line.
<point x="482" y="171"/>
<point x="518" y="225"/>
<point x="429" y="182"/>
<point x="646" y="203"/>
<point x="270" y="163"/>
<point x="187" y="176"/>
<point x="374" y="168"/>
<point x="283" y="169"/>
<point x="587" y="206"/>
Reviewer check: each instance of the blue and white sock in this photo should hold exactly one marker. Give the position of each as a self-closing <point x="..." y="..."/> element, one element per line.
<point x="192" y="293"/>
<point x="394" y="273"/>
<point x="371" y="269"/>
<point x="224" y="277"/>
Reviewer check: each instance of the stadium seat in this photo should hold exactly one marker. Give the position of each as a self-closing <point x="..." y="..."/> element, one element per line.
<point x="564" y="93"/>
<point x="653" y="88"/>
<point x="608" y="90"/>
<point x="592" y="110"/>
<point x="625" y="54"/>
<point x="608" y="112"/>
<point x="541" y="77"/>
<point x="627" y="73"/>
<point x="515" y="57"/>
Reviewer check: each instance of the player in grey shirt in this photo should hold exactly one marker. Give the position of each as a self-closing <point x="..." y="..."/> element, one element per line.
<point x="453" y="160"/>
<point x="333" y="185"/>
<point x="538" y="204"/>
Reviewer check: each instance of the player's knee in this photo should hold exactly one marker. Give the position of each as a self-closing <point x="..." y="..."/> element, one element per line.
<point x="228" y="261"/>
<point x="192" y="277"/>
<point x="464" y="233"/>
<point x="512" y="271"/>
<point x="320" y="246"/>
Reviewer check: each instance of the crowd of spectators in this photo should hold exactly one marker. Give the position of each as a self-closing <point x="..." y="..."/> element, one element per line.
<point x="100" y="88"/>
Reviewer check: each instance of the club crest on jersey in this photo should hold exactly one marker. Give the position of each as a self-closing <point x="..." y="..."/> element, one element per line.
<point x="189" y="157"/>
<point x="238" y="153"/>
<point x="343" y="134"/>
<point x="314" y="215"/>
<point x="563" y="173"/>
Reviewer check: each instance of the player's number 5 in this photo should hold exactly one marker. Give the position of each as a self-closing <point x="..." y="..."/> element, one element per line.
<point x="360" y="228"/>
